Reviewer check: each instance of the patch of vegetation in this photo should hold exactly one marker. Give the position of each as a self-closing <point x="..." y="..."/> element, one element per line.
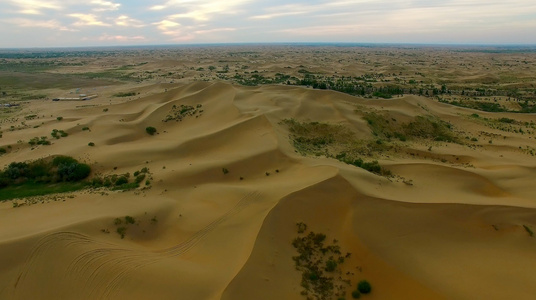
<point x="42" y="177"/>
<point x="528" y="230"/>
<point x="59" y="118"/>
<point x="121" y="182"/>
<point x="126" y="94"/>
<point x="364" y="287"/>
<point x="91" y="144"/>
<point x="372" y="166"/>
<point x="328" y="139"/>
<point x="150" y="130"/>
<point x="429" y="128"/>
<point x="315" y="137"/>
<point x="39" y="141"/>
<point x="178" y="113"/>
<point x="320" y="265"/>
<point x="225" y="171"/>
<point x="58" y="133"/>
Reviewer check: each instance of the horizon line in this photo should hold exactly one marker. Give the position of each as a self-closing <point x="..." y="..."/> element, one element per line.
<point x="347" y="44"/>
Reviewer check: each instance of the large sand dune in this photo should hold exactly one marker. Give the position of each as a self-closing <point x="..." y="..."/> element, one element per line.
<point x="448" y="225"/>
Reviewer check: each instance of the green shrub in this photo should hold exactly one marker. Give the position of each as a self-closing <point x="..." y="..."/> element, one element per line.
<point x="122" y="231"/>
<point x="130" y="220"/>
<point x="364" y="287"/>
<point x="3" y="150"/>
<point x="121" y="180"/>
<point x="356" y="294"/>
<point x="331" y="265"/>
<point x="59" y="118"/>
<point x="91" y="144"/>
<point x="73" y="172"/>
<point x="225" y="171"/>
<point x="59" y="160"/>
<point x="140" y="178"/>
<point x="150" y="130"/>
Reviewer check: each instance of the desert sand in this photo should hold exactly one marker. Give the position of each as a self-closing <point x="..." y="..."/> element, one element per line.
<point x="449" y="223"/>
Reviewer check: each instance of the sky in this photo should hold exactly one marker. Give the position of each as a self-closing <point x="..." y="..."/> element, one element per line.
<point x="71" y="23"/>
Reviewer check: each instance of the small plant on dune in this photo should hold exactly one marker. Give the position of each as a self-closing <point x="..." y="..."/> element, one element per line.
<point x="122" y="231"/>
<point x="225" y="170"/>
<point x="356" y="294"/>
<point x="528" y="230"/>
<point x="130" y="220"/>
<point x="59" y="118"/>
<point x="91" y="144"/>
<point x="85" y="128"/>
<point x="150" y="130"/>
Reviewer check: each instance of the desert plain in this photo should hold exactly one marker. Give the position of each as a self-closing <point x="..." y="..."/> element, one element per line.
<point x="272" y="172"/>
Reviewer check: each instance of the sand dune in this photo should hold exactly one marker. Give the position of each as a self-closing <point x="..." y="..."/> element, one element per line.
<point x="448" y="225"/>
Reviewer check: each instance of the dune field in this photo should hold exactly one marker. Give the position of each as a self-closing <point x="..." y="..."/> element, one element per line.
<point x="420" y="198"/>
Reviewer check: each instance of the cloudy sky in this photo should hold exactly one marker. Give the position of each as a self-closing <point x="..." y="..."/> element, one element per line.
<point x="61" y="23"/>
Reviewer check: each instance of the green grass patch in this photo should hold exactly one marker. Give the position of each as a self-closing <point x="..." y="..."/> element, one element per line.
<point x="31" y="189"/>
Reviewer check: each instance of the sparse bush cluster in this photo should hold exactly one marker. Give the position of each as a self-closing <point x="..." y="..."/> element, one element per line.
<point x="39" y="141"/>
<point x="122" y="182"/>
<point x="122" y="225"/>
<point x="178" y="113"/>
<point x="421" y="127"/>
<point x="327" y="139"/>
<point x="320" y="265"/>
<point x="57" y="134"/>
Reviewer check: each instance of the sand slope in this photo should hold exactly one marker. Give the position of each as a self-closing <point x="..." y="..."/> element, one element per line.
<point x="455" y="232"/>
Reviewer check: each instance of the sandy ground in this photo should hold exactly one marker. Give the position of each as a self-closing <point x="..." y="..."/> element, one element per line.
<point x="455" y="232"/>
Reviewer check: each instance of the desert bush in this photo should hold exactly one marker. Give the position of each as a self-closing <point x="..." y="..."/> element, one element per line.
<point x="356" y="294"/>
<point x="91" y="144"/>
<point x="122" y="231"/>
<point x="150" y="130"/>
<point x="73" y="172"/>
<point x="364" y="287"/>
<point x="121" y="180"/>
<point x="130" y="220"/>
<point x="225" y="170"/>
<point x="140" y="178"/>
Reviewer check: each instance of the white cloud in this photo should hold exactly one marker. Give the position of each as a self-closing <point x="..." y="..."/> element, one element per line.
<point x="126" y="21"/>
<point x="34" y="7"/>
<point x="87" y="20"/>
<point x="49" y="24"/>
<point x="201" y="10"/>
<point x="105" y="5"/>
